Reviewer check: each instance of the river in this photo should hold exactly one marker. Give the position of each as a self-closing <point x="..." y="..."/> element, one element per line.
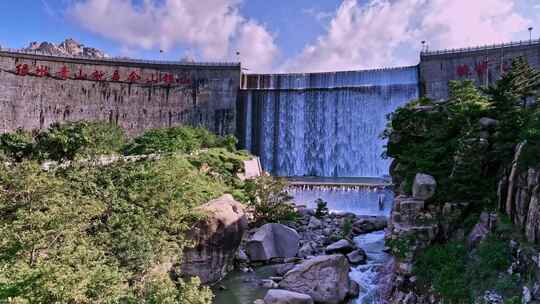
<point x="242" y="288"/>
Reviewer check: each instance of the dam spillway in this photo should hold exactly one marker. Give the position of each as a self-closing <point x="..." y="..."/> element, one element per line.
<point x="322" y="124"/>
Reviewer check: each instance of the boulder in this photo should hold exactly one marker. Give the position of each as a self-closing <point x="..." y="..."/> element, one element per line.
<point x="280" y="296"/>
<point x="367" y="224"/>
<point x="324" y="278"/>
<point x="491" y="297"/>
<point x="305" y="212"/>
<point x="282" y="269"/>
<point x="241" y="256"/>
<point x="341" y="246"/>
<point x="314" y="223"/>
<point x="487" y="223"/>
<point x="357" y="257"/>
<point x="216" y="238"/>
<point x="487" y="123"/>
<point x="536" y="291"/>
<point x="268" y="283"/>
<point x="354" y="290"/>
<point x="273" y="241"/>
<point x="307" y="249"/>
<point x="424" y="186"/>
<point x="526" y="295"/>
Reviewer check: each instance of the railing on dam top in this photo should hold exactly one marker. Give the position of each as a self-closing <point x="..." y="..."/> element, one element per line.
<point x="331" y="80"/>
<point x="121" y="60"/>
<point x="481" y="48"/>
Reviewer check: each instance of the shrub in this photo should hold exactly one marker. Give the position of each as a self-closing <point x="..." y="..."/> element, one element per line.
<point x="77" y="235"/>
<point x="221" y="163"/>
<point x="270" y="201"/>
<point x="346" y="228"/>
<point x="458" y="275"/>
<point x="444" y="268"/>
<point x="177" y="139"/>
<point x="64" y="141"/>
<point x="17" y="145"/>
<point x="322" y="209"/>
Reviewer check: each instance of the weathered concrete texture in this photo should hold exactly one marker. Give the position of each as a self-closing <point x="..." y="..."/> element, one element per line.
<point x="483" y="65"/>
<point x="201" y="95"/>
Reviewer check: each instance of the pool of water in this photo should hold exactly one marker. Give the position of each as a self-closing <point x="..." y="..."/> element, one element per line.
<point x="363" y="201"/>
<point x="242" y="288"/>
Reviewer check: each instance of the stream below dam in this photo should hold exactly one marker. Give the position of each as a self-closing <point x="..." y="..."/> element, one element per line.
<point x="243" y="288"/>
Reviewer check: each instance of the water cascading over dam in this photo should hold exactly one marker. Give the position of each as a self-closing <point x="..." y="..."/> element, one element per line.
<point x="322" y="124"/>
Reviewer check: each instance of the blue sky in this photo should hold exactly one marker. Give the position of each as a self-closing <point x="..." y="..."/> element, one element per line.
<point x="272" y="36"/>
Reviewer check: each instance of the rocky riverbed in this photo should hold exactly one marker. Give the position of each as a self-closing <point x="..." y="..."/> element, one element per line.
<point x="316" y="258"/>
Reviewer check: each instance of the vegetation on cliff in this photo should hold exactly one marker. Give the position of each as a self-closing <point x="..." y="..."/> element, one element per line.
<point x="446" y="140"/>
<point x="98" y="234"/>
<point x="468" y="143"/>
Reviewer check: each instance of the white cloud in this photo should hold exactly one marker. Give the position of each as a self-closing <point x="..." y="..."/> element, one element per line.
<point x="257" y="48"/>
<point x="321" y="16"/>
<point x="381" y="32"/>
<point x="211" y="26"/>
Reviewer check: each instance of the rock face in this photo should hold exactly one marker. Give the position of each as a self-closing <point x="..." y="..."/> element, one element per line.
<point x="68" y="47"/>
<point x="424" y="186"/>
<point x="519" y="197"/>
<point x="324" y="278"/>
<point x="487" y="223"/>
<point x="273" y="241"/>
<point x="411" y="229"/>
<point x="280" y="296"/>
<point x="217" y="240"/>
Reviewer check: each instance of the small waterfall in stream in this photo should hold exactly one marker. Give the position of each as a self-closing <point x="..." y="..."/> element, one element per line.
<point x="323" y="124"/>
<point x="360" y="202"/>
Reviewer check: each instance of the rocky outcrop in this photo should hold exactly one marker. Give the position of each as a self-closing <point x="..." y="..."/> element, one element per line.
<point x="217" y="238"/>
<point x="519" y="197"/>
<point x="324" y="278"/>
<point x="424" y="186"/>
<point x="411" y="229"/>
<point x="68" y="47"/>
<point x="273" y="241"/>
<point x="480" y="232"/>
<point x="280" y="296"/>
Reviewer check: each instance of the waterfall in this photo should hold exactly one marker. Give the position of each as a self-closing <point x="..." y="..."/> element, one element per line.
<point x="323" y="124"/>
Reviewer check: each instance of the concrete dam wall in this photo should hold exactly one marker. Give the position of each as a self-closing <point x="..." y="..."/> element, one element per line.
<point x="484" y="65"/>
<point x="328" y="124"/>
<point x="318" y="124"/>
<point x="37" y="90"/>
<point x="323" y="124"/>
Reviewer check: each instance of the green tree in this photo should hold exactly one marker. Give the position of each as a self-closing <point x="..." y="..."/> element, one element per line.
<point x="270" y="200"/>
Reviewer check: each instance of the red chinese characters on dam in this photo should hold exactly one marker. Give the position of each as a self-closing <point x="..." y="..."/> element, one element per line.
<point x="133" y="76"/>
<point x="481" y="68"/>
